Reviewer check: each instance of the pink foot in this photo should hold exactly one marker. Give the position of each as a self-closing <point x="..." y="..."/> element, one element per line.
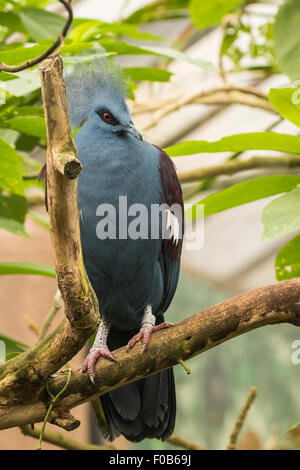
<point x="145" y="332"/>
<point x="90" y="360"/>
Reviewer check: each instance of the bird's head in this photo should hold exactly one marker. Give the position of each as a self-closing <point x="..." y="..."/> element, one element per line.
<point x="96" y="97"/>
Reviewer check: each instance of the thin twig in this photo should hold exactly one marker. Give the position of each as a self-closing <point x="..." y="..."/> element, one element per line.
<point x="228" y="94"/>
<point x="51" y="314"/>
<point x="60" y="40"/>
<point x="185" y="366"/>
<point x="53" y="400"/>
<point x="241" y="419"/>
<point x="179" y="441"/>
<point x="59" y="439"/>
<point x="32" y="324"/>
<point x="235" y="166"/>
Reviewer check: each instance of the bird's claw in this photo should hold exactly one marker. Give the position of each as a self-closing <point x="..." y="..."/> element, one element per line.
<point x="90" y="361"/>
<point x="145" y="332"/>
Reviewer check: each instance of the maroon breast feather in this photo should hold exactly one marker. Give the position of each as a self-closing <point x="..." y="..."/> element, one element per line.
<point x="171" y="194"/>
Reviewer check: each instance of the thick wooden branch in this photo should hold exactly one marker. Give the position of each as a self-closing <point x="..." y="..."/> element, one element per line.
<point x="277" y="303"/>
<point x="22" y="378"/>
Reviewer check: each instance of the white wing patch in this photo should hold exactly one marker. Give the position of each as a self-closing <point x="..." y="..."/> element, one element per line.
<point x="173" y="226"/>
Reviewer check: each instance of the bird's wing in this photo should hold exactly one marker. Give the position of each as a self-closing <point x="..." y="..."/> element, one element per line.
<point x="171" y="247"/>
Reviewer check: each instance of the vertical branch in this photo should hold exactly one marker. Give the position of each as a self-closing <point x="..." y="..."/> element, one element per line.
<point x="63" y="167"/>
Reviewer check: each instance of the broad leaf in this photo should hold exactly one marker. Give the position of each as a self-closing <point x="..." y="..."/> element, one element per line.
<point x="12" y="345"/>
<point x="21" y="54"/>
<point x="25" y="82"/>
<point x="123" y="48"/>
<point x="286" y="102"/>
<point x="10" y="169"/>
<point x="41" y="24"/>
<point x="12" y="226"/>
<point x="27" y="268"/>
<point x="287" y="38"/>
<point x="282" y="215"/>
<point x="162" y="10"/>
<point x="11" y="21"/>
<point x="210" y="13"/>
<point x="239" y="143"/>
<point x="89" y="29"/>
<point x="287" y="262"/>
<point x="148" y="73"/>
<point x="29" y="125"/>
<point x="243" y="193"/>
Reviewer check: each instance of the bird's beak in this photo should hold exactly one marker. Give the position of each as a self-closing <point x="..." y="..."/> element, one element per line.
<point x="132" y="130"/>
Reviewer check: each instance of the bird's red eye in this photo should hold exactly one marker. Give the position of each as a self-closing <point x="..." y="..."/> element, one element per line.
<point x="107" y="117"/>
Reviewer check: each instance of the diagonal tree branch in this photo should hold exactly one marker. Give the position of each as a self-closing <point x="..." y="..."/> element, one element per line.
<point x="277" y="303"/>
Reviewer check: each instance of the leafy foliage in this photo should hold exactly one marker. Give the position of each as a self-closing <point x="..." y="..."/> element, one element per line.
<point x="286" y="38"/>
<point x="287" y="263"/>
<point x="248" y="191"/>
<point x="211" y="13"/>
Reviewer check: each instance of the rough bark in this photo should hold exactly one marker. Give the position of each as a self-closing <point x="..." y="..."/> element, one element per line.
<point x="22" y="378"/>
<point x="277" y="303"/>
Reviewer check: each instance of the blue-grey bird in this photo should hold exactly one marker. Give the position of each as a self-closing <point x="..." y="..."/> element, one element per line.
<point x="132" y="260"/>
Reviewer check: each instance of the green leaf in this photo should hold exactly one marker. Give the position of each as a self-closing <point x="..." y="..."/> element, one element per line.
<point x="5" y="76"/>
<point x="282" y="216"/>
<point x="126" y="29"/>
<point x="286" y="102"/>
<point x="25" y="82"/>
<point x="26" y="143"/>
<point x="11" y="355"/>
<point x="10" y="169"/>
<point x="21" y="54"/>
<point x="123" y="48"/>
<point x="12" y="345"/>
<point x="27" y="268"/>
<point x="30" y="111"/>
<point x="210" y="13"/>
<point x="287" y="38"/>
<point x="29" y="125"/>
<point x="148" y="73"/>
<point x="243" y="193"/>
<point x="287" y="262"/>
<point x="41" y="24"/>
<point x="13" y="204"/>
<point x="162" y="10"/>
<point x="11" y="21"/>
<point x="239" y="143"/>
<point x="87" y="30"/>
<point x="12" y="226"/>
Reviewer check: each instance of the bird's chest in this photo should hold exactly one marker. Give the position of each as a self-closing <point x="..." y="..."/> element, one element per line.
<point x="116" y="201"/>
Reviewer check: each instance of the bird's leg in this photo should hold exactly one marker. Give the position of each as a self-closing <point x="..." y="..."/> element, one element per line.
<point x="147" y="329"/>
<point x="99" y="349"/>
